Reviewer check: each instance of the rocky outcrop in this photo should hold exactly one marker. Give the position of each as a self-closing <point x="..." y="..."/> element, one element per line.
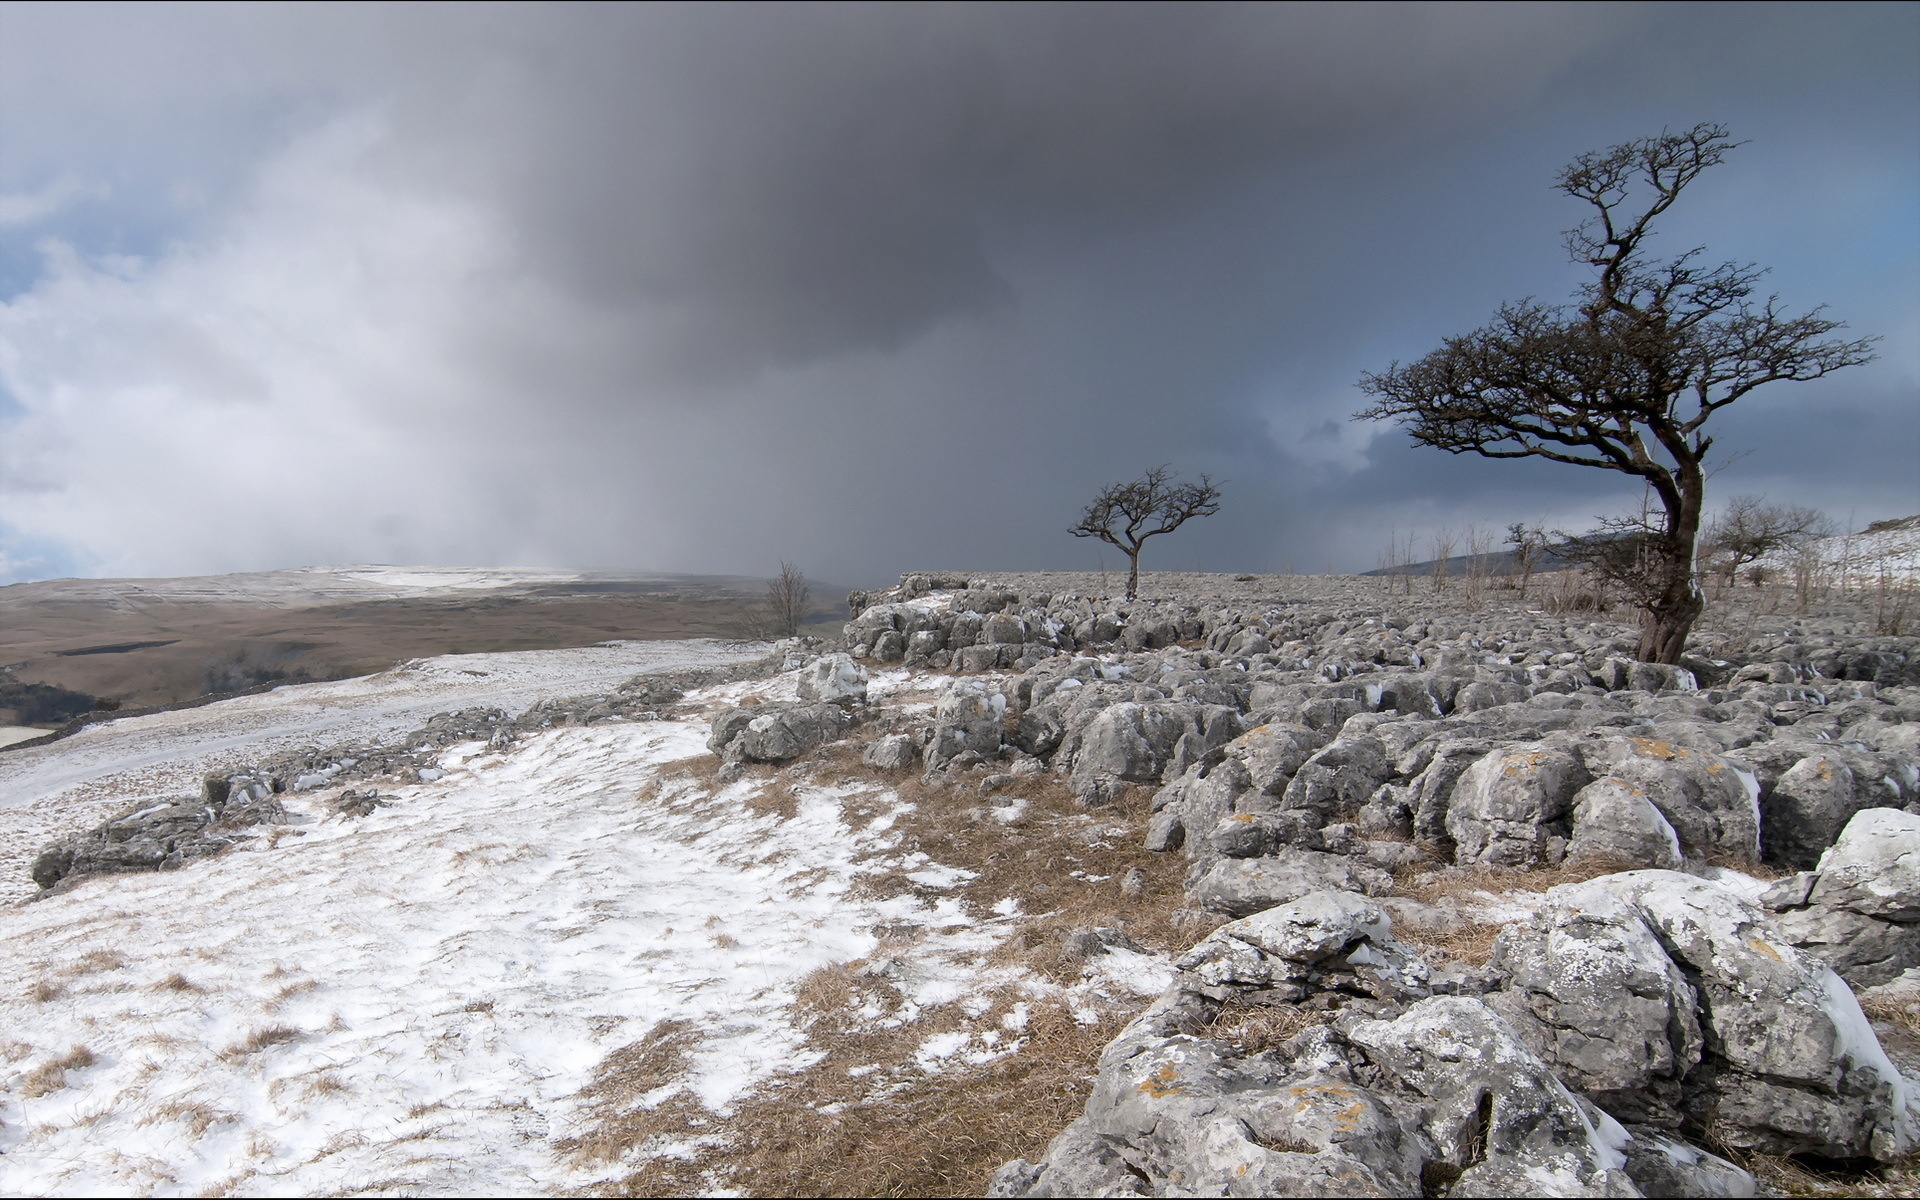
<point x="775" y="733"/>
<point x="1859" y="910"/>
<point x="165" y="834"/>
<point x="1633" y="1016"/>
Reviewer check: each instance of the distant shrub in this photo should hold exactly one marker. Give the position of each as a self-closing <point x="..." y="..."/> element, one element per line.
<point x="42" y="703"/>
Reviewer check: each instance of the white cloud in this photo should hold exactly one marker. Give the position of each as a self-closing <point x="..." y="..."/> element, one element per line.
<point x="307" y="382"/>
<point x="23" y="208"/>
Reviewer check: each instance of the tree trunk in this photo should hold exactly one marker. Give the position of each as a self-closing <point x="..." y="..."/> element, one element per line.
<point x="1133" y="573"/>
<point x="1676" y="602"/>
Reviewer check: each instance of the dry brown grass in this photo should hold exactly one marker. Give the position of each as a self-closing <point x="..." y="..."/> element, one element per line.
<point x="94" y="962"/>
<point x="261" y="1039"/>
<point x="1900" y="1014"/>
<point x="867" y="1119"/>
<point x="195" y="1115"/>
<point x="894" y="1131"/>
<point x="177" y="982"/>
<point x="1254" y="1028"/>
<point x="45" y="991"/>
<point x="622" y="1081"/>
<point x="52" y="1076"/>
<point x="1430" y="886"/>
<point x="1781" y="1175"/>
<point x="292" y="990"/>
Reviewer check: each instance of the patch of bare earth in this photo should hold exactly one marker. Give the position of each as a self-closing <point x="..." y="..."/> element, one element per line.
<point x="872" y="1115"/>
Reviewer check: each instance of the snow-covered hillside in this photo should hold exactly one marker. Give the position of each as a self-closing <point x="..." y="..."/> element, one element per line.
<point x="420" y="999"/>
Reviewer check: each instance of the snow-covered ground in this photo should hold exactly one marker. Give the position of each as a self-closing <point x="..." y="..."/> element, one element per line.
<point x="48" y="791"/>
<point x="414" y="1000"/>
<point x="9" y="734"/>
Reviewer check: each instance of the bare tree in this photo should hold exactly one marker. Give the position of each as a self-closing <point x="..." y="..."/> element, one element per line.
<point x="1529" y="546"/>
<point x="1627" y="378"/>
<point x="1442" y="544"/>
<point x="1125" y="515"/>
<point x="787" y="599"/>
<point x="1750" y="529"/>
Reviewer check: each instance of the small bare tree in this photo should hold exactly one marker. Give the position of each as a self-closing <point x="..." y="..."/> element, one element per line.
<point x="1442" y="544"/>
<point x="1529" y="547"/>
<point x="787" y="599"/>
<point x="1750" y="529"/>
<point x="1125" y="515"/>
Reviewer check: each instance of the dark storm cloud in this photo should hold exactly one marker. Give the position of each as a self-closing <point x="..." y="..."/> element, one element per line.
<point x="870" y="287"/>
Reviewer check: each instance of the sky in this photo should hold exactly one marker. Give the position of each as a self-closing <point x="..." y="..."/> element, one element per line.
<point x="872" y="288"/>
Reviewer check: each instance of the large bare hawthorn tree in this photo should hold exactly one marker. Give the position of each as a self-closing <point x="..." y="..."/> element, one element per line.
<point x="1626" y="378"/>
<point x="1125" y="515"/>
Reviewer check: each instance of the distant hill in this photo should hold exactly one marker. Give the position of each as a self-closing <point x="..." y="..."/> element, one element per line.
<point x="1499" y="563"/>
<point x="158" y="642"/>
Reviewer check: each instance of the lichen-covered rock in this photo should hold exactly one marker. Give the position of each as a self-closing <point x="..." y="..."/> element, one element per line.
<point x="1807" y="807"/>
<point x="1512" y="807"/>
<point x="164" y="835"/>
<point x="1589" y="987"/>
<point x="894" y="752"/>
<point x="1272" y="753"/>
<point x="1859" y="910"/>
<point x="1711" y="802"/>
<point x="1490" y="1108"/>
<point x="1790" y="1064"/>
<point x="967" y="720"/>
<point x="1613" y="819"/>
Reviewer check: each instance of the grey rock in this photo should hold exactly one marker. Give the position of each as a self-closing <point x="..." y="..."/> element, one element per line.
<point x="1431" y="792"/>
<point x="1272" y="753"/>
<point x="162" y="835"/>
<point x="1711" y="802"/>
<point x="1790" y="1064"/>
<point x="1512" y="807"/>
<point x="1806" y="808"/>
<point x="833" y="679"/>
<point x="1591" y="990"/>
<point x="1490" y="1108"/>
<point x="1125" y="743"/>
<point x="776" y="732"/>
<point x="1338" y="779"/>
<point x="1662" y="1165"/>
<point x="889" y="647"/>
<point x="967" y="720"/>
<point x="1613" y="819"/>
<point x="1240" y="886"/>
<point x="1859" y="910"/>
<point x="894" y="752"/>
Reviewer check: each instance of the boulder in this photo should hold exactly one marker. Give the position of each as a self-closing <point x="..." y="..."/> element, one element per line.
<point x="894" y="752"/>
<point x="1495" y="1114"/>
<point x="1806" y="808"/>
<point x="773" y="733"/>
<point x="1124" y="743"/>
<point x="1588" y="986"/>
<point x="1712" y="803"/>
<point x="1789" y="1063"/>
<point x="1859" y="910"/>
<point x="1240" y="886"/>
<point x="165" y="834"/>
<point x="967" y="720"/>
<point x="1613" y="819"/>
<point x="1336" y="780"/>
<point x="1512" y="808"/>
<point x="834" y="679"/>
